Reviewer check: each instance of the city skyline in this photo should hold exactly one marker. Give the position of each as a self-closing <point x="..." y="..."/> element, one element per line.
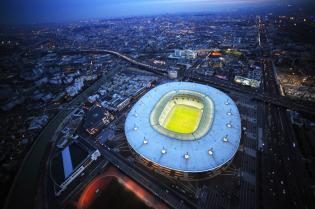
<point x="36" y="11"/>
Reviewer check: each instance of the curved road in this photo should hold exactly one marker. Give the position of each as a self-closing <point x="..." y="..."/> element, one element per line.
<point x="147" y="67"/>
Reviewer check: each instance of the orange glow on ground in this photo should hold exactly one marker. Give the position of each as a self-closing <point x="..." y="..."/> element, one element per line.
<point x="100" y="182"/>
<point x="216" y="54"/>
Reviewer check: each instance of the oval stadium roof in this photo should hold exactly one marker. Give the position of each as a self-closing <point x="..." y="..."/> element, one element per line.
<point x="214" y="149"/>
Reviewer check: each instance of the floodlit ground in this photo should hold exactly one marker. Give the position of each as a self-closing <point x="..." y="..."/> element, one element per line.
<point x="183" y="119"/>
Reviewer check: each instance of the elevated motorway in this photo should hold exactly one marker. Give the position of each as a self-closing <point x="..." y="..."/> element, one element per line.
<point x="303" y="107"/>
<point x="144" y="66"/>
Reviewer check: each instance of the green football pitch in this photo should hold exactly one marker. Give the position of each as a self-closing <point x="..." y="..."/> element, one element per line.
<point x="183" y="119"/>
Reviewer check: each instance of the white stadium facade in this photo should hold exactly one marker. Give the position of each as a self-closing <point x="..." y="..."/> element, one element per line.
<point x="184" y="130"/>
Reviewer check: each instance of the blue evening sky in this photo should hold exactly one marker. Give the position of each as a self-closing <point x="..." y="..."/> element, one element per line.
<point x="65" y="10"/>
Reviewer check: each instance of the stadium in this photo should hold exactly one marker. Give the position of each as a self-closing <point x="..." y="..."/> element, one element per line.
<point x="184" y="130"/>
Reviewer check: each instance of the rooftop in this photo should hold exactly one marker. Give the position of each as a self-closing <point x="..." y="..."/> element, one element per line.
<point x="212" y="150"/>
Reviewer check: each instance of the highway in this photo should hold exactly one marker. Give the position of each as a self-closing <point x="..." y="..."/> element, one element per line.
<point x="284" y="183"/>
<point x="266" y="97"/>
<point x="153" y="69"/>
<point x="282" y="176"/>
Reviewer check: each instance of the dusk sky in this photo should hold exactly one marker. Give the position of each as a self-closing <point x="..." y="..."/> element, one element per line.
<point x="65" y="10"/>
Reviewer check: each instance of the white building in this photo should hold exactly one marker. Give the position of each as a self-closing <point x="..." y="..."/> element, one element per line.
<point x="75" y="88"/>
<point x="183" y="54"/>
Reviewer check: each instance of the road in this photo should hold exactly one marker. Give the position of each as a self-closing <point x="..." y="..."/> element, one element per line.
<point x="24" y="186"/>
<point x="284" y="181"/>
<point x="282" y="176"/>
<point x="266" y="97"/>
<point x="153" y="69"/>
<point x="160" y="189"/>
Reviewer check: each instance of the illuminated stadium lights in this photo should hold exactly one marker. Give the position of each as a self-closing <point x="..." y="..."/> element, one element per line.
<point x="227" y="102"/>
<point x="225" y="138"/>
<point x="135" y="128"/>
<point x="187" y="149"/>
<point x="145" y="141"/>
<point x="229" y="125"/>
